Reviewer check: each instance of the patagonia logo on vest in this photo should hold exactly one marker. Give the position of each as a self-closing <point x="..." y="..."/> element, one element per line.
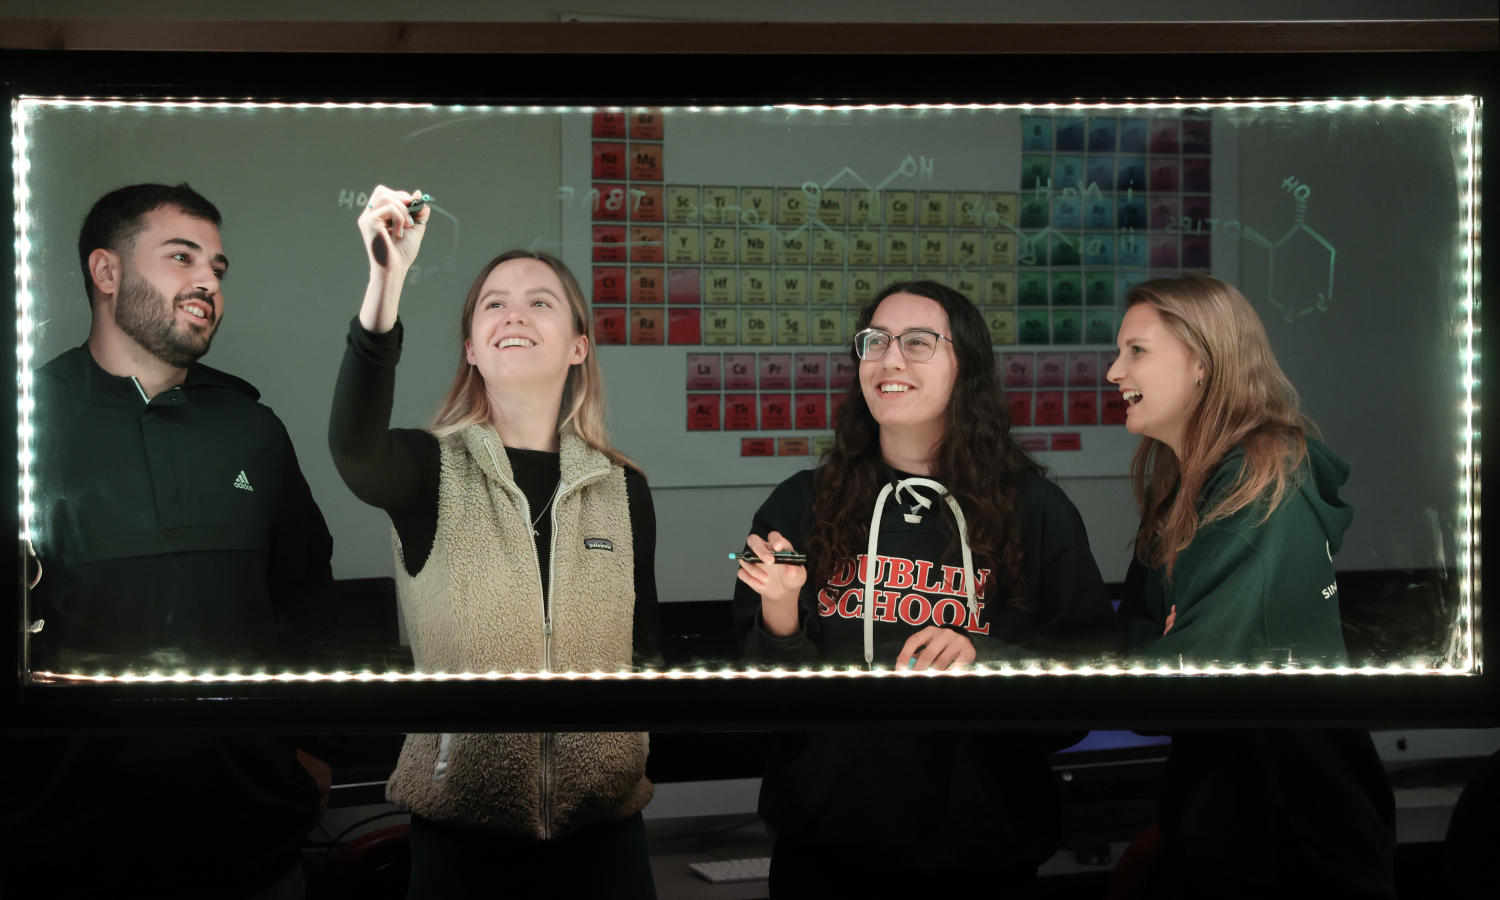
<point x="599" y="544"/>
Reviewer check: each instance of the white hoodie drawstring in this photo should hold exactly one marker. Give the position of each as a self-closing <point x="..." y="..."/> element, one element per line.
<point x="872" y="562"/>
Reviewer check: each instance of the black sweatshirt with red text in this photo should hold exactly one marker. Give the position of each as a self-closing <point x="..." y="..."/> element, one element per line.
<point x="933" y="800"/>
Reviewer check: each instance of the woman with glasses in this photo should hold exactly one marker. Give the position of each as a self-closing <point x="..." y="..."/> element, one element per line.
<point x="933" y="543"/>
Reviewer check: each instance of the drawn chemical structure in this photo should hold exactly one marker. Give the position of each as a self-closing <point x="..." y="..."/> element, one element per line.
<point x="1290" y="308"/>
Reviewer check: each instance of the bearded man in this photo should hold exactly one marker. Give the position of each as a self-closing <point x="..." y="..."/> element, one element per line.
<point x="174" y="530"/>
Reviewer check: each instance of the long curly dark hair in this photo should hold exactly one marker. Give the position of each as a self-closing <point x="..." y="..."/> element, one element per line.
<point x="976" y="459"/>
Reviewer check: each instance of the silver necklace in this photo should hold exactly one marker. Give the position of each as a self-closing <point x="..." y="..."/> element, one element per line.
<point x="544" y="510"/>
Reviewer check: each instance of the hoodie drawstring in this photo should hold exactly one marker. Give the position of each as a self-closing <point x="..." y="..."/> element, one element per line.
<point x="872" y="562"/>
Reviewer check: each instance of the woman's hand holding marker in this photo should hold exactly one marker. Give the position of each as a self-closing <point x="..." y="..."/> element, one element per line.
<point x="392" y="233"/>
<point x="777" y="583"/>
<point x="392" y="237"/>
<point x="935" y="648"/>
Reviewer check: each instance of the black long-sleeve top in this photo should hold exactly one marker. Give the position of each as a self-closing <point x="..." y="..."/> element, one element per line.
<point x="397" y="470"/>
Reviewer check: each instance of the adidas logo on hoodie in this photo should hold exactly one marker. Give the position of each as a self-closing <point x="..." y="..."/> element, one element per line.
<point x="242" y="482"/>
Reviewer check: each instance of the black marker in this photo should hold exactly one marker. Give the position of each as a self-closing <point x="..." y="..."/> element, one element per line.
<point x="417" y="206"/>
<point x="785" y="557"/>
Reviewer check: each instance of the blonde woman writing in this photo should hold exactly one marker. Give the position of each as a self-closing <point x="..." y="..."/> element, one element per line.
<point x="524" y="543"/>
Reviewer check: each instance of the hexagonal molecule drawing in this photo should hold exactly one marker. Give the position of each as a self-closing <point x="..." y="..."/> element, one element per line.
<point x="1299" y="249"/>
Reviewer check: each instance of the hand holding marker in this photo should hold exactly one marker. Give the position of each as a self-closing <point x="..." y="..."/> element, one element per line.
<point x="390" y="222"/>
<point x="785" y="557"/>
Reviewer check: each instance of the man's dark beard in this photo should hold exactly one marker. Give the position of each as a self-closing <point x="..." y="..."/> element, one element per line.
<point x="144" y="313"/>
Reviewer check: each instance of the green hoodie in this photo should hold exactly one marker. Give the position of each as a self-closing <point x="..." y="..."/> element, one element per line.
<point x="1248" y="591"/>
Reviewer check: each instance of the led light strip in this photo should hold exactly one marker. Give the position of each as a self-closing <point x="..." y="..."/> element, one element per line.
<point x="712" y="674"/>
<point x="1462" y="656"/>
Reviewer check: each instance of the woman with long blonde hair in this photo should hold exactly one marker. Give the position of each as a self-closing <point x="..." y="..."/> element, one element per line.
<point x="1240" y="519"/>
<point x="524" y="542"/>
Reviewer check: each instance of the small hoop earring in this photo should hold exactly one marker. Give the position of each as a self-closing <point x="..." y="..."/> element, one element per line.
<point x="1197" y="382"/>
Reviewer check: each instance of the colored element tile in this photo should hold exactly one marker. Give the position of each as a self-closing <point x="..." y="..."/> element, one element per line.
<point x="739" y="371"/>
<point x="609" y="123"/>
<point x="608" y="202"/>
<point x="1083" y="407"/>
<point x="609" y="160"/>
<point x="684" y="286"/>
<point x="645" y="123"/>
<point x="1067" y="326"/>
<point x="1051" y="369"/>
<point x="645" y="162"/>
<point x="841" y="373"/>
<point x="1018" y="370"/>
<point x="1067" y="288"/>
<point x="791" y="327"/>
<point x="647" y="285"/>
<point x="1083" y="369"/>
<point x="1034" y="327"/>
<point x="703" y="412"/>
<point x="719" y="286"/>
<point x="646" y="326"/>
<point x="740" y="412"/>
<point x="1196" y="175"/>
<point x="609" y="326"/>
<point x="1101" y="135"/>
<point x="682" y="245"/>
<point x="1099" y="326"/>
<point x="609" y="284"/>
<point x="684" y="326"/>
<point x="1165" y="174"/>
<point x="1049" y="408"/>
<point x="775" y="412"/>
<point x="719" y="327"/>
<point x="646" y="203"/>
<point x="609" y="241"/>
<point x="811" y="371"/>
<point x="755" y="326"/>
<point x="775" y="371"/>
<point x="682" y="203"/>
<point x="1002" y="325"/>
<point x="1036" y="132"/>
<point x="1099" y="288"/>
<point x="1019" y="405"/>
<point x="812" y="412"/>
<point x="646" y="243"/>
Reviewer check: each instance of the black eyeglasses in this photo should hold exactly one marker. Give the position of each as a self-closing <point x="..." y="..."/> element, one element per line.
<point x="917" y="345"/>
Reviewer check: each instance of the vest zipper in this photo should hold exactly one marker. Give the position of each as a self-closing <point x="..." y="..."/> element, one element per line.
<point x="549" y="739"/>
<point x="137" y="382"/>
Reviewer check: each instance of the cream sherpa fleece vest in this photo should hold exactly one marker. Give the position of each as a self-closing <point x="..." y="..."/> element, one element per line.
<point x="476" y="606"/>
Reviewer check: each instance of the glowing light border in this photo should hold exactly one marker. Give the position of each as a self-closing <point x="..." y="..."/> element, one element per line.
<point x="1462" y="657"/>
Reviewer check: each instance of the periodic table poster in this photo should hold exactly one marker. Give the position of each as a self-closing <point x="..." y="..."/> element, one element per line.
<point x="727" y="254"/>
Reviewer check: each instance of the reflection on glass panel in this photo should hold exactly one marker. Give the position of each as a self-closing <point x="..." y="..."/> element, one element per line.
<point x="330" y="399"/>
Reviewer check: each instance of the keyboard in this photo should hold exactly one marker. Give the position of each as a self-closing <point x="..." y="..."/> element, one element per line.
<point x="728" y="871"/>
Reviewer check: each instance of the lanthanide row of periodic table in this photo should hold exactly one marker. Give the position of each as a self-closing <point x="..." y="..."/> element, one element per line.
<point x="1104" y="203"/>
